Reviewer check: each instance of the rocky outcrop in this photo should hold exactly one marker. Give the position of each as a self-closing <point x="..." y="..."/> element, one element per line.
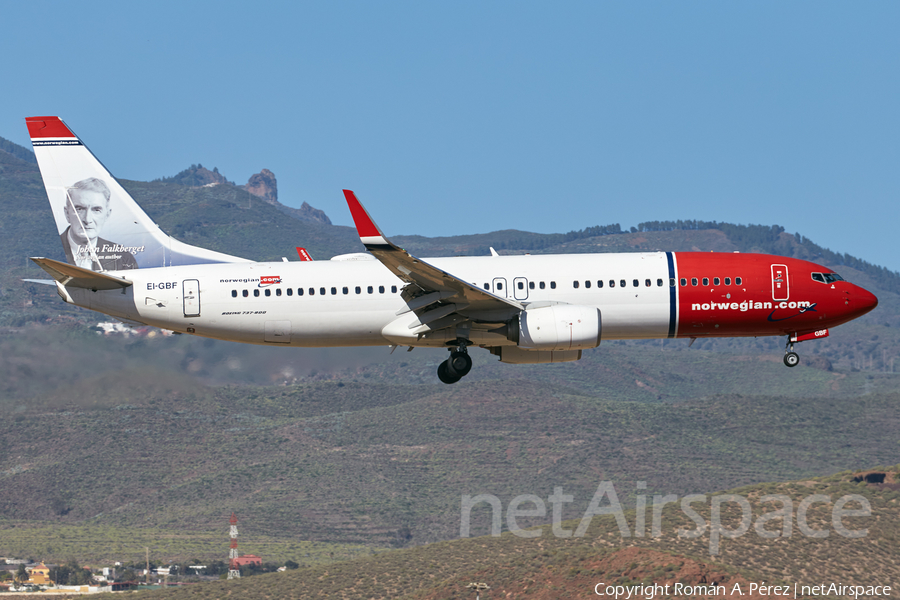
<point x="264" y="185"/>
<point x="308" y="213"/>
<point x="196" y="176"/>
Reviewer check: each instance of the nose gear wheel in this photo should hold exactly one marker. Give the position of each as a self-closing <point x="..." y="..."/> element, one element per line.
<point x="791" y="358"/>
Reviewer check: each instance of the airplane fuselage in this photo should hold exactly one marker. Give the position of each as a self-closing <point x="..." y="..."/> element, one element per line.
<point x="356" y="302"/>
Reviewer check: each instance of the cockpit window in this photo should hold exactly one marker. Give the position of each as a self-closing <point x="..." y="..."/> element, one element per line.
<point x="826" y="277"/>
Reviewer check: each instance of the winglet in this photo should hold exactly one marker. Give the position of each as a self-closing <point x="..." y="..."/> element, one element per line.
<point x="304" y="255"/>
<point x="369" y="234"/>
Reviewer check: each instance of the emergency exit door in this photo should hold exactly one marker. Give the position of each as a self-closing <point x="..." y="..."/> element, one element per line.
<point x="780" y="282"/>
<point x="191" y="295"/>
<point x="498" y="286"/>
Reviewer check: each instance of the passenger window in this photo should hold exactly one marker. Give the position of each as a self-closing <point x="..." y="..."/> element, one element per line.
<point x="256" y="293"/>
<point x="245" y="293"/>
<point x="575" y="284"/>
<point x="728" y="281"/>
<point x="694" y="281"/>
<point x="380" y="289"/>
<point x="818" y="277"/>
<point x="612" y="283"/>
<point x="530" y="285"/>
<point x="300" y="291"/>
<point x="321" y="291"/>
<point x="659" y="282"/>
<point x="312" y="291"/>
<point x="706" y="281"/>
<point x="346" y="290"/>
<point x="290" y="291"/>
<point x="552" y="285"/>
<point x="737" y="281"/>
<point x="622" y="283"/>
<point x="370" y="289"/>
<point x="393" y="289"/>
<point x="334" y="291"/>
<point x="635" y="282"/>
<point x="487" y="286"/>
<point x="599" y="283"/>
<point x="268" y="292"/>
<point x="542" y="285"/>
<point x="521" y="285"/>
<point x="234" y="293"/>
<point x="499" y="286"/>
<point x="683" y="282"/>
<point x="716" y="281"/>
<point x="277" y="291"/>
<point x="587" y="284"/>
<point x="358" y="290"/>
<point x="647" y="282"/>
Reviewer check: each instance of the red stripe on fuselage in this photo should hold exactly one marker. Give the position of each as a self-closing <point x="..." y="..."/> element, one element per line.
<point x="765" y="302"/>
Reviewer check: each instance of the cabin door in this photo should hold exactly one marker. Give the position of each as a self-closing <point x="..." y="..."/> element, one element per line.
<point x="191" y="294"/>
<point x="780" y="282"/>
<point x="520" y="288"/>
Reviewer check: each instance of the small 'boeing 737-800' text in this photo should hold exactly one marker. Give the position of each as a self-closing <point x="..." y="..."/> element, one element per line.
<point x="523" y="309"/>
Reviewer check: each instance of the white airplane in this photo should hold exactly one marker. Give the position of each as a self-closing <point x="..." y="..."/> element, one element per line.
<point x="524" y="309"/>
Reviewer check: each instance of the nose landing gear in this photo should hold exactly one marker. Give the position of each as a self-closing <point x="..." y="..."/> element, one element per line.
<point x="791" y="358"/>
<point x="458" y="365"/>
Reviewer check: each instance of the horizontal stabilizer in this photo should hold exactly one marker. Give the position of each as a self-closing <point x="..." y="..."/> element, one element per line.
<point x="41" y="281"/>
<point x="72" y="276"/>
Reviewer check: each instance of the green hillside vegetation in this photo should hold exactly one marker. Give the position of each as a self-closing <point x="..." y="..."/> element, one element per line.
<point x="553" y="567"/>
<point x="17" y="151"/>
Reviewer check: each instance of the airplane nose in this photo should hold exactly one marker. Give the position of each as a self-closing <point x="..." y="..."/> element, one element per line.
<point x="864" y="300"/>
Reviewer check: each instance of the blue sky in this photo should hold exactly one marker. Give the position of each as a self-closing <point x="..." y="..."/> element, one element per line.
<point x="451" y="118"/>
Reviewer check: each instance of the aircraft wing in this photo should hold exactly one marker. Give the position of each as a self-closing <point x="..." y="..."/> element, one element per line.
<point x="434" y="283"/>
<point x="73" y="276"/>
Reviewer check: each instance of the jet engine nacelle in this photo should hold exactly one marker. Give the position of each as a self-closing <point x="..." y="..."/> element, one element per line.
<point x="557" y="327"/>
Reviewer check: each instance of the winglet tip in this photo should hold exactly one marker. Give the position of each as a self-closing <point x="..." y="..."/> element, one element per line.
<point x="365" y="226"/>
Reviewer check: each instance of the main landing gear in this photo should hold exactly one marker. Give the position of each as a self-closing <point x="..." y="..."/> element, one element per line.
<point x="791" y="358"/>
<point x="458" y="365"/>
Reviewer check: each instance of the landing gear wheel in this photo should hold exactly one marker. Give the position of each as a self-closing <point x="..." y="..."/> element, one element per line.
<point x="791" y="359"/>
<point x="444" y="374"/>
<point x="460" y="363"/>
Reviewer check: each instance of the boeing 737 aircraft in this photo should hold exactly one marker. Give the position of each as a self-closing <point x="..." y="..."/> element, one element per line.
<point x="523" y="309"/>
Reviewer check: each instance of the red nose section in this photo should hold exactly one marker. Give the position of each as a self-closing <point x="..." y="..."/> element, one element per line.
<point x="862" y="301"/>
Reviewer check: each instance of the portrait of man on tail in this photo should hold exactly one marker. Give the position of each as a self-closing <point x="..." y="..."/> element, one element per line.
<point x="87" y="210"/>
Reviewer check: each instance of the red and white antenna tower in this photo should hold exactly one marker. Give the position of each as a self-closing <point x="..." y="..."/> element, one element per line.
<point x="234" y="572"/>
